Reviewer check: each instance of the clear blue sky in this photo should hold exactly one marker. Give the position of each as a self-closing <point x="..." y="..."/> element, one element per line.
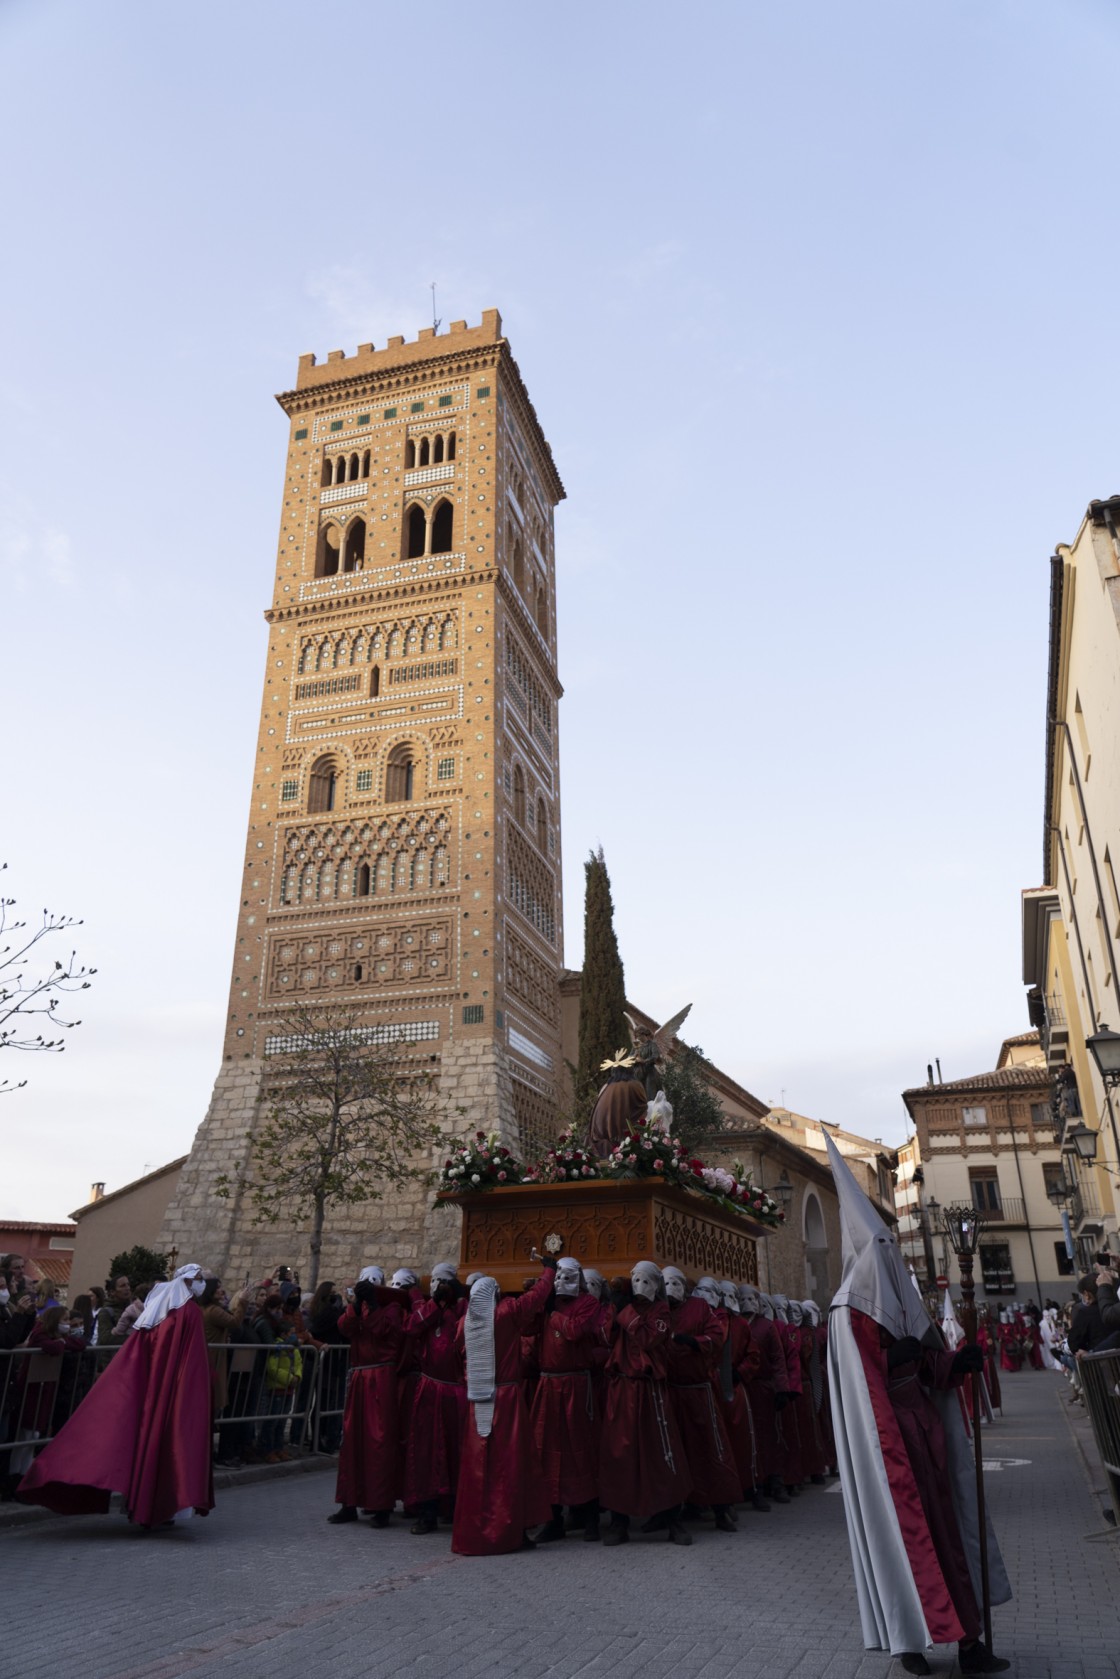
<point x="817" y="304"/>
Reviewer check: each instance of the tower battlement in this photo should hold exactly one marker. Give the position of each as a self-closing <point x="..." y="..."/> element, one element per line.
<point x="399" y="352"/>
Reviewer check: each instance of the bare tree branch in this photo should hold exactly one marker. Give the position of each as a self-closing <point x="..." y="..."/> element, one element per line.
<point x="25" y="995"/>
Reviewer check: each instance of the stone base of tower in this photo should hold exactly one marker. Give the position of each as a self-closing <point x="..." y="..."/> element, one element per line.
<point x="476" y="1089"/>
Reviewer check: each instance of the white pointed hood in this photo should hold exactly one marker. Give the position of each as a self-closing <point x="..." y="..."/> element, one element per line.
<point x="875" y="1279"/>
<point x="951" y="1326"/>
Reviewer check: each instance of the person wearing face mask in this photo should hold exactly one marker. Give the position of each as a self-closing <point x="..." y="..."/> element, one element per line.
<point x="643" y="1471"/>
<point x="438" y="1407"/>
<point x="789" y="1428"/>
<point x="739" y="1365"/>
<point x="564" y="1415"/>
<point x="368" y="1461"/>
<point x="501" y="1491"/>
<point x="769" y="1391"/>
<point x="802" y="1315"/>
<point x="699" y="1335"/>
<point x="17" y="1317"/>
<point x="143" y="1430"/>
<point x="405" y="1282"/>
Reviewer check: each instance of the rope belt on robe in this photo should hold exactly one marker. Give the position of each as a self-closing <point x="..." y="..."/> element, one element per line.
<point x="691" y="1387"/>
<point x="547" y="1375"/>
<point x="386" y="1364"/>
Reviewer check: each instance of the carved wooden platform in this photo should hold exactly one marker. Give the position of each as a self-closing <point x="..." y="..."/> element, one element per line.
<point x="606" y="1226"/>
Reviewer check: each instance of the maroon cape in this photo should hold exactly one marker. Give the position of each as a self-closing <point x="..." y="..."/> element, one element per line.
<point x="565" y="1414"/>
<point x="697" y="1406"/>
<point x="369" y="1466"/>
<point x="439" y="1405"/>
<point x="642" y="1466"/>
<point x="143" y="1430"/>
<point x="738" y="1412"/>
<point x="501" y="1491"/>
<point x="789" y="1422"/>
<point x="761" y="1388"/>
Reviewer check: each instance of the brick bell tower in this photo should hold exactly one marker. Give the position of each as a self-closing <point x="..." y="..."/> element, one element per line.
<point x="403" y="851"/>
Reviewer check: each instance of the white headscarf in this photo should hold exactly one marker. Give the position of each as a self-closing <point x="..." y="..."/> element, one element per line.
<point x="168" y="1297"/>
<point x="781" y="1307"/>
<point x="478" y="1334"/>
<point x="729" y="1298"/>
<point x="403" y="1278"/>
<point x="766" y="1307"/>
<point x="811" y="1311"/>
<point x="372" y="1274"/>
<point x="750" y="1301"/>
<point x="596" y="1285"/>
<point x="444" y="1272"/>
<point x="794" y="1314"/>
<point x="648" y="1272"/>
<point x="708" y="1290"/>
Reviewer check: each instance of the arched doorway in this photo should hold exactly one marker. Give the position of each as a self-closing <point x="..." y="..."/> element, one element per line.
<point x="818" y="1285"/>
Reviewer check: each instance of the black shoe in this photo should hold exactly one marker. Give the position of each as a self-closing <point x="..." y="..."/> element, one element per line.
<point x="757" y="1502"/>
<point x="656" y="1524"/>
<point x="819" y="1481"/>
<point x="913" y="1663"/>
<point x="424" y="1524"/>
<point x="380" y="1518"/>
<point x="591" y="1531"/>
<point x="724" y="1523"/>
<point x="554" y="1529"/>
<point x="778" y="1493"/>
<point x="347" y="1514"/>
<point x="977" y="1658"/>
<point x="527" y="1544"/>
<point x="679" y="1534"/>
<point x="616" y="1534"/>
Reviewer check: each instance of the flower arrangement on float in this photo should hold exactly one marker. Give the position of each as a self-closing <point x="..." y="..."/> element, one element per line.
<point x="567" y="1161"/>
<point x="648" y="1151"/>
<point x="481" y="1163"/>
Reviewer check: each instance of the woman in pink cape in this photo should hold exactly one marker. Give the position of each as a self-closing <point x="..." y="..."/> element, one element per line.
<point x="143" y="1430"/>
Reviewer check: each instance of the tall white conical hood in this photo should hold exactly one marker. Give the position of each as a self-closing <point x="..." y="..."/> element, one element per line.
<point x="875" y="1280"/>
<point x="951" y="1326"/>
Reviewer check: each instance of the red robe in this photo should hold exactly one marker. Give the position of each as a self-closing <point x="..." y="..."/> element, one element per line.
<point x="820" y="1334"/>
<point x="438" y="1404"/>
<point x="771" y="1379"/>
<point x="697" y="1403"/>
<point x="738" y="1412"/>
<point x="143" y="1430"/>
<point x="991" y="1371"/>
<point x="501" y="1489"/>
<point x="1010" y="1347"/>
<point x="642" y="1466"/>
<point x="1034" y="1345"/>
<point x="789" y="1428"/>
<point x="565" y="1416"/>
<point x="812" y="1441"/>
<point x="369" y="1461"/>
<point x="912" y="1436"/>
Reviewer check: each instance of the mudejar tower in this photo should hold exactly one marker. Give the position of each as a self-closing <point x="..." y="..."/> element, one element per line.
<point x="403" y="850"/>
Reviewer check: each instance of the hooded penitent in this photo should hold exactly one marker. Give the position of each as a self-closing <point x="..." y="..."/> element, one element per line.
<point x="900" y="1556"/>
<point x="708" y="1290"/>
<point x="950" y="1324"/>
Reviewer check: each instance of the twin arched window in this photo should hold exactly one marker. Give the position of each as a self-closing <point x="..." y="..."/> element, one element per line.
<point x="400" y="775"/>
<point x="345" y="469"/>
<point x="323" y="784"/>
<point x="341" y="548"/>
<point x="429" y="451"/>
<point x="428" y="534"/>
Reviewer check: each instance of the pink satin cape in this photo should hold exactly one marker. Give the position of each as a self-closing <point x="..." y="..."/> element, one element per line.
<point x="143" y="1430"/>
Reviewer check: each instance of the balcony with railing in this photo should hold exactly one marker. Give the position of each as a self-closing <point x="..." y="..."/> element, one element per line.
<point x="1010" y="1211"/>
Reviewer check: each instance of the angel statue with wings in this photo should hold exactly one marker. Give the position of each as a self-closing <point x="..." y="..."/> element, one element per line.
<point x="652" y="1048"/>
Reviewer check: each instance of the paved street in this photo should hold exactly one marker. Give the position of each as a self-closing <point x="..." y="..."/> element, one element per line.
<point x="264" y="1589"/>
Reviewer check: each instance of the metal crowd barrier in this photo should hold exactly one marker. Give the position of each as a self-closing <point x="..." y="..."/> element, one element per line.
<point x="1100" y="1384"/>
<point x="277" y="1399"/>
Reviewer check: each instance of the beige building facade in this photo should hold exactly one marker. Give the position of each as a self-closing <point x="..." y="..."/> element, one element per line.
<point x="403" y="844"/>
<point x="129" y="1217"/>
<point x="1071" y="924"/>
<point x="989" y="1141"/>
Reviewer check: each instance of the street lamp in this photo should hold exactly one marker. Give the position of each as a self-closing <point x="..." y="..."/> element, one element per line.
<point x="962" y="1223"/>
<point x="782" y="1191"/>
<point x="1084" y="1143"/>
<point x="1104" y="1047"/>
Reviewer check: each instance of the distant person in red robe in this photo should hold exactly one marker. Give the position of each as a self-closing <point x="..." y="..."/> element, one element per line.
<point x="643" y="1470"/>
<point x="143" y="1430"/>
<point x="438" y="1406"/>
<point x="699" y="1332"/>
<point x="501" y="1488"/>
<point x="794" y="1472"/>
<point x="369" y="1460"/>
<point x="768" y="1391"/>
<point x="738" y="1367"/>
<point x="565" y="1411"/>
<point x="1010" y="1344"/>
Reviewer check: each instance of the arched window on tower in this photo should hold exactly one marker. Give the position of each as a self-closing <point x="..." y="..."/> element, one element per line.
<point x="409" y="454"/>
<point x="365" y="464"/>
<point x="400" y="775"/>
<point x="375" y="682"/>
<point x="451" y="445"/>
<point x="328" y="551"/>
<point x="443" y="528"/>
<point x="425" y="452"/>
<point x="355" y="549"/>
<point x="323" y="784"/>
<point x="542" y="609"/>
<point x="287" y="891"/>
<point x="542" y="826"/>
<point x="518" y="564"/>
<point x="327" y="475"/>
<point x="355" y="468"/>
<point x="416" y="526"/>
<point x="437" y="451"/>
<point x="519" y="794"/>
<point x="362" y="881"/>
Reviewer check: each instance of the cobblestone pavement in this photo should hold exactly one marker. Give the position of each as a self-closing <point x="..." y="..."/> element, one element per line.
<point x="264" y="1589"/>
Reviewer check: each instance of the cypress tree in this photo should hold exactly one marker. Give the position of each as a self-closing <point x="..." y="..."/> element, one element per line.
<point x="602" y="999"/>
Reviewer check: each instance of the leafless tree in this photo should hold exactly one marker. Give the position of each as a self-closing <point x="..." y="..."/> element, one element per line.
<point x="31" y="987"/>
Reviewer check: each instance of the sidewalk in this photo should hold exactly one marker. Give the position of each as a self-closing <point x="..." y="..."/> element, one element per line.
<point x="265" y="1589"/>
